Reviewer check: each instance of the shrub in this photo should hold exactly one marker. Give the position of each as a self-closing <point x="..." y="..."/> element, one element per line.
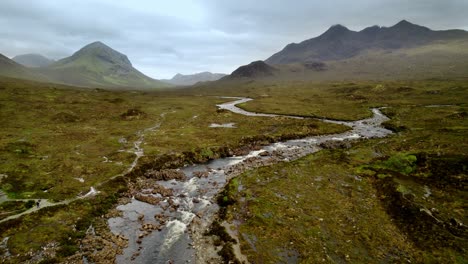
<point x="401" y="163"/>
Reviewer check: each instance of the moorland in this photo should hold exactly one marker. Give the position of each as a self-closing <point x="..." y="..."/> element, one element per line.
<point x="73" y="147"/>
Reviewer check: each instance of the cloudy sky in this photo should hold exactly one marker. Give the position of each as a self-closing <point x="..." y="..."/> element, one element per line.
<point x="162" y="38"/>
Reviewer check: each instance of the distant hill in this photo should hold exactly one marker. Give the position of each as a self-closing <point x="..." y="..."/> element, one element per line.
<point x="256" y="69"/>
<point x="98" y="65"/>
<point x="32" y="60"/>
<point x="10" y="68"/>
<point x="339" y="42"/>
<point x="190" y="79"/>
<point x="403" y="51"/>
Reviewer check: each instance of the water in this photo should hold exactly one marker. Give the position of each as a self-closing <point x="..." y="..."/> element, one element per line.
<point x="192" y="205"/>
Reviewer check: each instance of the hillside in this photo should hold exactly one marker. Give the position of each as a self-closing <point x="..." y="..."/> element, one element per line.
<point x="32" y="60"/>
<point x="99" y="65"/>
<point x="403" y="51"/>
<point x="339" y="42"/>
<point x="9" y="68"/>
<point x="256" y="69"/>
<point x="190" y="79"/>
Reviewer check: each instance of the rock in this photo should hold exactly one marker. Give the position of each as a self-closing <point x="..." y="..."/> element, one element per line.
<point x="147" y="199"/>
<point x="162" y="191"/>
<point x="195" y="200"/>
<point x="141" y="217"/>
<point x="201" y="174"/>
<point x="333" y="144"/>
<point x="165" y="175"/>
<point x="149" y="227"/>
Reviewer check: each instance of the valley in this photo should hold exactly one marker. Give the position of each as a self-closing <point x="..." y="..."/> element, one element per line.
<point x="349" y="147"/>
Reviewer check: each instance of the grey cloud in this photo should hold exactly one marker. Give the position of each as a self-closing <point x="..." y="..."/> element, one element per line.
<point x="162" y="38"/>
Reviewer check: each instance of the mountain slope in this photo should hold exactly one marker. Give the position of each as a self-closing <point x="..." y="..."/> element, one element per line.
<point x="256" y="69"/>
<point x="403" y="51"/>
<point x="339" y="43"/>
<point x="32" y="60"/>
<point x="9" y="68"/>
<point x="99" y="65"/>
<point x="180" y="79"/>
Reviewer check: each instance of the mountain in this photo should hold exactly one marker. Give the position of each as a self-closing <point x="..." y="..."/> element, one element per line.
<point x="32" y="60"/>
<point x="180" y="79"/>
<point x="402" y="51"/>
<point x="339" y="43"/>
<point x="10" y="68"/>
<point x="256" y="69"/>
<point x="98" y="65"/>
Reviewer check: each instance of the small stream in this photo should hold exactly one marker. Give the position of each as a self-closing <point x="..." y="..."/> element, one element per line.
<point x="192" y="206"/>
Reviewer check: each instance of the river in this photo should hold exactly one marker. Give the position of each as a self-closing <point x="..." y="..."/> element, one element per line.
<point x="184" y="215"/>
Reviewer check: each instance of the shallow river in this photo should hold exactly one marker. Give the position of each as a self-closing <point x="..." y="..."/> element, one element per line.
<point x="195" y="197"/>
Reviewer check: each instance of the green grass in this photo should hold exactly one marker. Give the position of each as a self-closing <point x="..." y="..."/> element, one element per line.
<point x="365" y="204"/>
<point x="340" y="100"/>
<point x="54" y="135"/>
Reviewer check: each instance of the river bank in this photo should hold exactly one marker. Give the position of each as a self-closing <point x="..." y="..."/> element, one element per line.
<point x="165" y="219"/>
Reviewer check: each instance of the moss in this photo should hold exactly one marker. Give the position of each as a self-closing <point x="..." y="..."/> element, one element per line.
<point x="67" y="250"/>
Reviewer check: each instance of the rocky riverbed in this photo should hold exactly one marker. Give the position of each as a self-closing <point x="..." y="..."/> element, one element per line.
<point x="169" y="211"/>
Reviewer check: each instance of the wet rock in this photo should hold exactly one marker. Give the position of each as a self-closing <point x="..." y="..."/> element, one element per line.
<point x="173" y="204"/>
<point x="149" y="227"/>
<point x="333" y="144"/>
<point x="141" y="217"/>
<point x="102" y="248"/>
<point x="201" y="174"/>
<point x="142" y="235"/>
<point x="147" y="199"/>
<point x="161" y="218"/>
<point x="166" y="175"/>
<point x="162" y="191"/>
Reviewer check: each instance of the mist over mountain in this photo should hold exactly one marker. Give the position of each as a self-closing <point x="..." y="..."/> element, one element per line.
<point x="10" y="68"/>
<point x="190" y="79"/>
<point x="32" y="60"/>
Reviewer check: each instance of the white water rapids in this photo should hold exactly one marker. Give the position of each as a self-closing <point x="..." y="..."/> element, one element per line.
<point x="194" y="198"/>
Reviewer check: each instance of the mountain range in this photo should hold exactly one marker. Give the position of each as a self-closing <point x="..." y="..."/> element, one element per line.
<point x="339" y="42"/>
<point x="95" y="65"/>
<point x="404" y="50"/>
<point x="183" y="80"/>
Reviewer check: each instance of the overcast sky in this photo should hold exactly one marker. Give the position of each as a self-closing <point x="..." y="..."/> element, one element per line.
<point x="163" y="38"/>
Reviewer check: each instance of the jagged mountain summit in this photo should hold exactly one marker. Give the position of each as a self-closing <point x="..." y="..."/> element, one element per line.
<point x="402" y="51"/>
<point x="32" y="60"/>
<point x="190" y="79"/>
<point x="338" y="42"/>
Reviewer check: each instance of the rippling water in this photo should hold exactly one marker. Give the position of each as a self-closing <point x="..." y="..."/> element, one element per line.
<point x="195" y="197"/>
